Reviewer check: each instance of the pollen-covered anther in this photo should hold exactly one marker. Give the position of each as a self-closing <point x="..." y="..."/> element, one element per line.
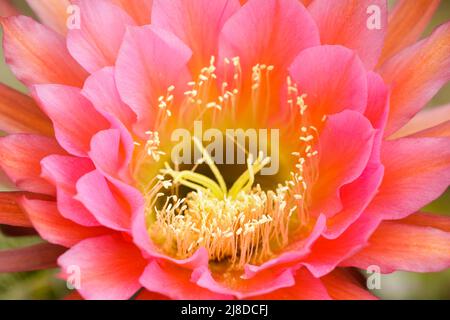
<point x="240" y="230"/>
<point x="152" y="145"/>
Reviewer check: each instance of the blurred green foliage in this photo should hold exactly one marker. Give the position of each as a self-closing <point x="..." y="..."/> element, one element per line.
<point x="398" y="285"/>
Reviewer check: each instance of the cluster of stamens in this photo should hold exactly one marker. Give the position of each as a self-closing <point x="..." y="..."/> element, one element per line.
<point x="242" y="224"/>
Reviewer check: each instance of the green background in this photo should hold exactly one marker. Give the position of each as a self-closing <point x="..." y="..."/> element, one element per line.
<point x="398" y="285"/>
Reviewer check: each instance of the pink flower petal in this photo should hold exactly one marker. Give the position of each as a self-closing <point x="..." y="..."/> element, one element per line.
<point x="100" y="88"/>
<point x="64" y="172"/>
<point x="96" y="43"/>
<point x="306" y="288"/>
<point x="333" y="78"/>
<point x="175" y="282"/>
<point x="139" y="10"/>
<point x="355" y="198"/>
<point x="346" y="22"/>
<point x="55" y="228"/>
<point x="149" y="62"/>
<point x="346" y="145"/>
<point x="268" y="32"/>
<point x="202" y="36"/>
<point x="417" y="171"/>
<point x="37" y="54"/>
<point x="73" y="129"/>
<point x="109" y="266"/>
<point x="291" y="253"/>
<point x="326" y="254"/>
<point x="111" y="151"/>
<point x="20" y="157"/>
<point x="111" y="205"/>
<point x="377" y="110"/>
<point x="232" y="284"/>
<point x="400" y="246"/>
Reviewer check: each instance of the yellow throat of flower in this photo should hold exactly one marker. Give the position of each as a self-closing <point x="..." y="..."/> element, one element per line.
<point x="237" y="225"/>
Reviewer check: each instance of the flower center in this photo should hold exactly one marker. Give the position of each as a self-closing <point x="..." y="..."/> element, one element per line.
<point x="239" y="224"/>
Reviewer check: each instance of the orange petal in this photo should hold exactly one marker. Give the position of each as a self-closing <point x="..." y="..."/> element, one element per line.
<point x="429" y="219"/>
<point x="139" y="10"/>
<point x="342" y="284"/>
<point x="20" y="157"/>
<point x="346" y="22"/>
<point x="55" y="228"/>
<point x="37" y="54"/>
<point x="7" y="9"/>
<point x="52" y="13"/>
<point x="415" y="75"/>
<point x="441" y="130"/>
<point x="433" y="122"/>
<point x="35" y="257"/>
<point x="406" y="24"/>
<point x="10" y="211"/>
<point x="405" y="246"/>
<point x="20" y="114"/>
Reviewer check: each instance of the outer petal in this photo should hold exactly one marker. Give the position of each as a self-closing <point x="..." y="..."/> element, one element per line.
<point x="74" y="118"/>
<point x="343" y="285"/>
<point x="96" y="43"/>
<point x="10" y="211"/>
<point x="100" y="88"/>
<point x="20" y="114"/>
<point x="406" y="24"/>
<point x="110" y="267"/>
<point x="52" y="13"/>
<point x="400" y="246"/>
<point x="55" y="228"/>
<point x="268" y="32"/>
<point x="64" y="172"/>
<point x="417" y="171"/>
<point x="349" y="23"/>
<point x="333" y="78"/>
<point x="7" y="9"/>
<point x="416" y="74"/>
<point x="175" y="282"/>
<point x="139" y="10"/>
<point x="306" y="288"/>
<point x="427" y="122"/>
<point x="441" y="130"/>
<point x="35" y="257"/>
<point x="441" y="222"/>
<point x="37" y="54"/>
<point x="150" y="61"/>
<point x="20" y="157"/>
<point x="197" y="23"/>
